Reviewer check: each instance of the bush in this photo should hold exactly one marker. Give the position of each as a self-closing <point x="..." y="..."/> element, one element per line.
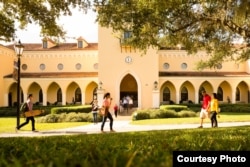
<point x="51" y="118"/>
<point x="187" y="113"/>
<point x="73" y="117"/>
<point x="68" y="109"/>
<point x="162" y="113"/>
<point x="176" y="108"/>
<point x="67" y="117"/>
<point x="140" y="115"/>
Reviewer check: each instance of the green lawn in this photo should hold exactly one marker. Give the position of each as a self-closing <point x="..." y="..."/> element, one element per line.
<point x="224" y="117"/>
<point x="129" y="149"/>
<point x="9" y="124"/>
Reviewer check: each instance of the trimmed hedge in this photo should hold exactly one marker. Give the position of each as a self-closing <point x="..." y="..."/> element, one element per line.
<point x="176" y="108"/>
<point x="245" y="108"/>
<point x="69" y="109"/>
<point x="68" y="117"/>
<point x="162" y="113"/>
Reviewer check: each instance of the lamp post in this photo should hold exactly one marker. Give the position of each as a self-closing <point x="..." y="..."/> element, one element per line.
<point x="19" y="50"/>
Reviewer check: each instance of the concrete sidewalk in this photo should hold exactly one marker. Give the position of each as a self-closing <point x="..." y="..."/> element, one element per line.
<point x="120" y="125"/>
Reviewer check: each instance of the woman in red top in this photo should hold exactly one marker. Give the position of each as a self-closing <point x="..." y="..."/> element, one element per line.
<point x="106" y="104"/>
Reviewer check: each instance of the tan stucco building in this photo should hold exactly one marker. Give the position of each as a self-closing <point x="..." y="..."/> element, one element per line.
<point x="78" y="72"/>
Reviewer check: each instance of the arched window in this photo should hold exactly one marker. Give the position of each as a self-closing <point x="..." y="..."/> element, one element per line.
<point x="59" y="95"/>
<point x="78" y="95"/>
<point x="237" y="96"/>
<point x="220" y="94"/>
<point x="166" y="94"/>
<point x="40" y="95"/>
<point x="184" y="94"/>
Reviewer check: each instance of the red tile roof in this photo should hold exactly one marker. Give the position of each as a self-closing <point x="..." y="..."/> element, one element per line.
<point x="58" y="47"/>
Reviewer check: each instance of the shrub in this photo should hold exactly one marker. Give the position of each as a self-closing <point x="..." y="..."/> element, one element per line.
<point x="68" y="109"/>
<point x="176" y="108"/>
<point x="68" y="117"/>
<point x="73" y="117"/>
<point x="140" y="115"/>
<point x="162" y="113"/>
<point x="51" y="118"/>
<point x="187" y="113"/>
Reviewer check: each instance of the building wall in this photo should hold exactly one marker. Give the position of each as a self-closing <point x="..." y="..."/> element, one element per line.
<point x="113" y="67"/>
<point x="68" y="58"/>
<point x="175" y="59"/>
<point x="122" y="71"/>
<point x="7" y="58"/>
<point x="44" y="63"/>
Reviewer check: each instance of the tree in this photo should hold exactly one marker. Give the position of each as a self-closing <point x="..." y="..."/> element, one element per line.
<point x="210" y="25"/>
<point x="42" y="12"/>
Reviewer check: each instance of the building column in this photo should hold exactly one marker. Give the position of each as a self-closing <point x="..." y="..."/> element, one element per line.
<point x="44" y="99"/>
<point x="196" y="97"/>
<point x="100" y="94"/>
<point x="63" y="98"/>
<point x="83" y="98"/>
<point x="156" y="98"/>
<point x="177" y="97"/>
<point x="6" y="99"/>
<point x="233" y="96"/>
<point x="25" y="97"/>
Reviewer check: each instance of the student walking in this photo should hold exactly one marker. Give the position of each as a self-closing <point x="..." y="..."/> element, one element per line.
<point x="214" y="109"/>
<point x="94" y="111"/>
<point x="106" y="104"/>
<point x="204" y="108"/>
<point x="29" y="104"/>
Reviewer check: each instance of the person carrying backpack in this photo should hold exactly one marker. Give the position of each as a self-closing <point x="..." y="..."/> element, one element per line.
<point x="29" y="106"/>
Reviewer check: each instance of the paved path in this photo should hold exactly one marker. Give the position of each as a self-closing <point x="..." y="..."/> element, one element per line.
<point x="120" y="125"/>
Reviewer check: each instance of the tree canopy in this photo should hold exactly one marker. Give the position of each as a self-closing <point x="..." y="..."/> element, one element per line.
<point x="42" y="12"/>
<point x="210" y="25"/>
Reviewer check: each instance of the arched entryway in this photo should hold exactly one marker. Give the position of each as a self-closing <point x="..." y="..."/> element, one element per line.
<point x="54" y="94"/>
<point x="241" y="95"/>
<point x="129" y="88"/>
<point x="74" y="94"/>
<point x="91" y="92"/>
<point x="36" y="90"/>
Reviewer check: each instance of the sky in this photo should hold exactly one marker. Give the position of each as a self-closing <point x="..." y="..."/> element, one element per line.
<point x="79" y="24"/>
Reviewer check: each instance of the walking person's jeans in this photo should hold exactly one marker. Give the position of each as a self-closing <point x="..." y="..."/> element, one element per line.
<point x="213" y="118"/>
<point x="27" y="121"/>
<point x="95" y="117"/>
<point x="104" y="118"/>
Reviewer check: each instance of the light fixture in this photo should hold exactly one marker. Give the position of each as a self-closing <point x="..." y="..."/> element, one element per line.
<point x="100" y="85"/>
<point x="155" y="84"/>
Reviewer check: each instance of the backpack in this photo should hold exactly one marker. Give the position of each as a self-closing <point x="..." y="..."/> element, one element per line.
<point x="24" y="108"/>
